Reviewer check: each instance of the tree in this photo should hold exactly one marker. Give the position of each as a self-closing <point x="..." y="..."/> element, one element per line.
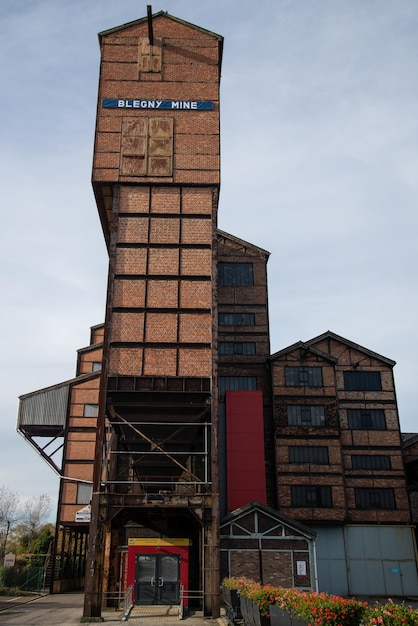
<point x="42" y="543"/>
<point x="9" y="515"/>
<point x="36" y="510"/>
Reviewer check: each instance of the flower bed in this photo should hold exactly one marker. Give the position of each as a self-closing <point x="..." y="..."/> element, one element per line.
<point x="390" y="614"/>
<point x="321" y="609"/>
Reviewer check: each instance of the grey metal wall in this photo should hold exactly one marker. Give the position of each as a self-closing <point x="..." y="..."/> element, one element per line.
<point x="367" y="560"/>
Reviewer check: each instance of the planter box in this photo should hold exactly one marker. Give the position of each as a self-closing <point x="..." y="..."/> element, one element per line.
<point x="278" y="617"/>
<point x="258" y="619"/>
<point x="232" y="604"/>
<point x="246" y="610"/>
<point x="251" y="613"/>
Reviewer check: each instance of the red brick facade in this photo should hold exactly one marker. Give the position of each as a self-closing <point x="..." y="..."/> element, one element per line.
<point x="344" y="442"/>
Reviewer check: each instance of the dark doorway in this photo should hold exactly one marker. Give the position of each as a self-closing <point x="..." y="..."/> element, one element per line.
<point x="157" y="579"/>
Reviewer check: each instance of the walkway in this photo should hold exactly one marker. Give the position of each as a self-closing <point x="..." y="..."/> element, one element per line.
<point x="66" y="609"/>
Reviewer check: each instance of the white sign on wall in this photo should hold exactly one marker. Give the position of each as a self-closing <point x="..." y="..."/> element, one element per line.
<point x="83" y="515"/>
<point x="301" y="568"/>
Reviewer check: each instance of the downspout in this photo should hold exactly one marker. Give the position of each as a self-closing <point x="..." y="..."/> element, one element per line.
<point x="315" y="568"/>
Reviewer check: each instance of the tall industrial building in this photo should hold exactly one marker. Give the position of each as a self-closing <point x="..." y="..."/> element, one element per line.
<point x="188" y="451"/>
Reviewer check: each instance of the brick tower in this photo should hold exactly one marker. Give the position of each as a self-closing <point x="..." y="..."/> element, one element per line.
<point x="156" y="182"/>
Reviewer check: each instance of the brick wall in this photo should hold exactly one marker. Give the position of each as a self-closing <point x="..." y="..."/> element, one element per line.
<point x="184" y="66"/>
<point x="162" y="296"/>
<point x="334" y="433"/>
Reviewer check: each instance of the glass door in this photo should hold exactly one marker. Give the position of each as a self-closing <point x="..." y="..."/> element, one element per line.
<point x="157" y="579"/>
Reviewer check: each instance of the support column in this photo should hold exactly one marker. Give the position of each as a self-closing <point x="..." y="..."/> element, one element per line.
<point x="95" y="560"/>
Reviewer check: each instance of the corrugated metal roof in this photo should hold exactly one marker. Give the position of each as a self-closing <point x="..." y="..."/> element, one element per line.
<point x="46" y="407"/>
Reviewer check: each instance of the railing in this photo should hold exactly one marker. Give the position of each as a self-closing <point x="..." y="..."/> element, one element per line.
<point x="188" y="594"/>
<point x="128" y="601"/>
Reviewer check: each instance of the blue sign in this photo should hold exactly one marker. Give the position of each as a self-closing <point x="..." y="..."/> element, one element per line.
<point x="172" y="105"/>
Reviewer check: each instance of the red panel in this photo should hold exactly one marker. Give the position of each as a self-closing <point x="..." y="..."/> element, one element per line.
<point x="246" y="478"/>
<point x="183" y="551"/>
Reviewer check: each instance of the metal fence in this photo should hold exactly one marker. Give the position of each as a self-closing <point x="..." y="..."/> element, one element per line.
<point x="25" y="579"/>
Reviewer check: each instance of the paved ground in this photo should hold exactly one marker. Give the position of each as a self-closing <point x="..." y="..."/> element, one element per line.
<point x="67" y="609"/>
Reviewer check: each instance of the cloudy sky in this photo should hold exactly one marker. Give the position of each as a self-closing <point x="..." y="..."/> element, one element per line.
<point x="319" y="110"/>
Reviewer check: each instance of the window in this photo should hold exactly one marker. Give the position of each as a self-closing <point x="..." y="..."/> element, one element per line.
<point x="96" y="366"/>
<point x="91" y="410"/>
<point x="309" y="454"/>
<point x="235" y="274"/>
<point x="303" y="376"/>
<point x="375" y="498"/>
<point x="237" y="347"/>
<point x="371" y="419"/>
<point x="369" y="462"/>
<point x="362" y="381"/>
<point x="236" y="383"/>
<point x="236" y="319"/>
<point x="305" y="415"/>
<point x="84" y="493"/>
<point x="308" y="496"/>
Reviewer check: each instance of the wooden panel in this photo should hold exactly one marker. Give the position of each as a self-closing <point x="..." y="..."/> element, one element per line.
<point x="134" y="146"/>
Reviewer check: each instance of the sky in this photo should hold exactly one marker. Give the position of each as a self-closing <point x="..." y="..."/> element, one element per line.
<point x="319" y="165"/>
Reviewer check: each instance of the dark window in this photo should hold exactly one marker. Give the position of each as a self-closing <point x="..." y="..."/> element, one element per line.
<point x="236" y="319"/>
<point x="236" y="347"/>
<point x="303" y="376"/>
<point x="308" y="496"/>
<point x="362" y="381"/>
<point x="235" y="274"/>
<point x="369" y="462"/>
<point x="375" y="498"/>
<point x="371" y="419"/>
<point x="309" y="454"/>
<point x="305" y="415"/>
<point x="236" y="383"/>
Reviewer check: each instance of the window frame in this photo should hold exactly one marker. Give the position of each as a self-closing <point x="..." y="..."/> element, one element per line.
<point x="310" y="455"/>
<point x="236" y="383"/>
<point x="303" y="376"/>
<point x="237" y="348"/>
<point x="84" y="492"/>
<point x="363" y="380"/>
<point x="301" y="496"/>
<point x="241" y="319"/>
<point x="366" y="419"/>
<point x="298" y="411"/>
<point x="371" y="462"/>
<point x="240" y="274"/>
<point x="375" y="498"/>
<point x="90" y="410"/>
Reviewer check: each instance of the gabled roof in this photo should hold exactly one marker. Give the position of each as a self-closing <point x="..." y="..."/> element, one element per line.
<point x="141" y="20"/>
<point x="310" y="345"/>
<point x="304" y="345"/>
<point x="409" y="439"/>
<point x="330" y="335"/>
<point x="243" y="243"/>
<point x="282" y="519"/>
